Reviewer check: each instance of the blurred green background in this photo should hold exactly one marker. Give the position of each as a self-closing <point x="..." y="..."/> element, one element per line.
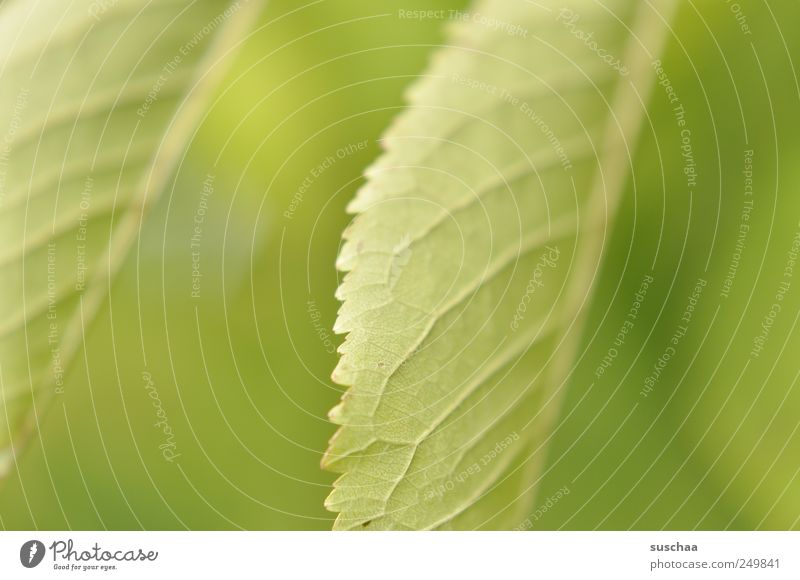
<point x="243" y="371"/>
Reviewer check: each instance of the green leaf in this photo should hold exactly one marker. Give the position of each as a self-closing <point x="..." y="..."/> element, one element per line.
<point x="98" y="102"/>
<point x="472" y="257"/>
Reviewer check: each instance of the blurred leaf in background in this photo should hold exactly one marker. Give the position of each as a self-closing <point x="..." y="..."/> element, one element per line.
<point x="108" y="96"/>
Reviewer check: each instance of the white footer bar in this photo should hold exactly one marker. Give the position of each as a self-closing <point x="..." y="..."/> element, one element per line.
<point x="332" y="556"/>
